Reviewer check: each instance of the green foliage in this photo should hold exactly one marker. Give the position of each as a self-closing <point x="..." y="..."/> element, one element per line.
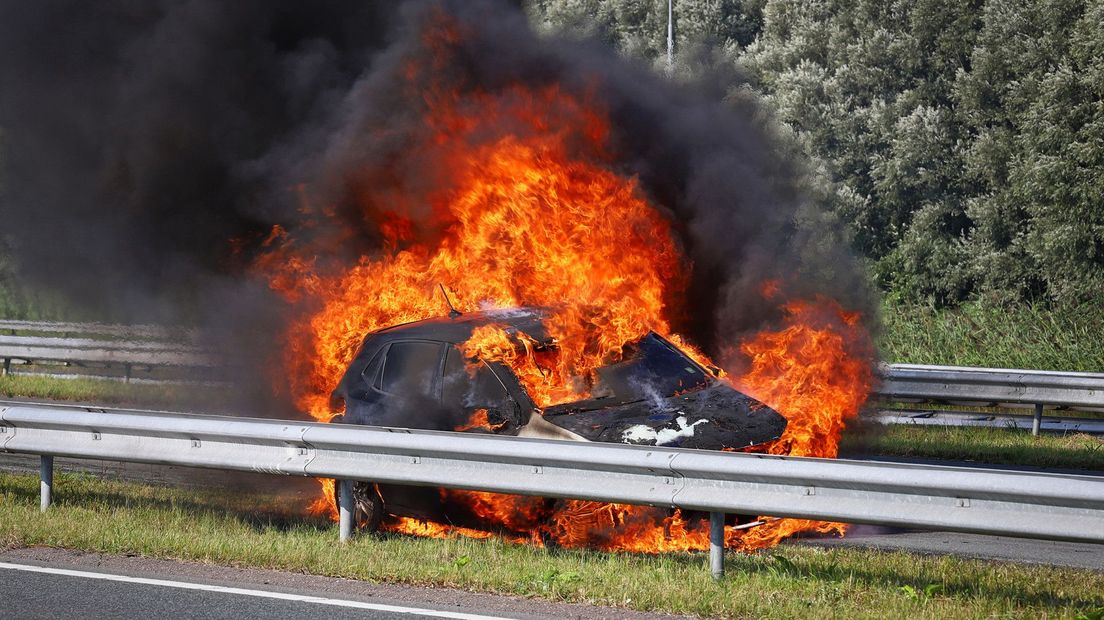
<point x="638" y="28"/>
<point x="1034" y="106"/>
<point x="868" y="87"/>
<point x="926" y="592"/>
<point x="978" y="334"/>
<point x="20" y="301"/>
<point x="963" y="141"/>
<point x="162" y="396"/>
<point x="1092" y="614"/>
<point x="13" y="302"/>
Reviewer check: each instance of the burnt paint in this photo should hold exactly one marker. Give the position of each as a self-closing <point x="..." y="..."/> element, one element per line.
<point x="720" y="416"/>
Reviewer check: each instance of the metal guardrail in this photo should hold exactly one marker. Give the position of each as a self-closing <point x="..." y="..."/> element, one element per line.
<point x="992" y="386"/>
<point x="1051" y="423"/>
<point x="1035" y="505"/>
<point x="150" y="332"/>
<point x="120" y="345"/>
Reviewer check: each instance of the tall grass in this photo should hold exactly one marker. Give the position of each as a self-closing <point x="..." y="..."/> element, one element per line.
<point x="1059" y="338"/>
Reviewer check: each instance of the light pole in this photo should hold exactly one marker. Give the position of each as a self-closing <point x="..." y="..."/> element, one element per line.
<point x="670" y="35"/>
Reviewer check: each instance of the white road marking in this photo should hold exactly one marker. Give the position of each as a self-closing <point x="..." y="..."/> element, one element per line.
<point x="184" y="585"/>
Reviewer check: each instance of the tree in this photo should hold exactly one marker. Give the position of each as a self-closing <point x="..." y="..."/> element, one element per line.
<point x="1034" y="106"/>
<point x="963" y="142"/>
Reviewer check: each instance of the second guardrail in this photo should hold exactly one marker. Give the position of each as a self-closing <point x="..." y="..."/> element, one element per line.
<point x="131" y="346"/>
<point x="992" y="387"/>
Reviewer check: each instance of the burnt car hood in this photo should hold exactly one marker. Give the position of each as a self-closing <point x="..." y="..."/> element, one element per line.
<point x="713" y="418"/>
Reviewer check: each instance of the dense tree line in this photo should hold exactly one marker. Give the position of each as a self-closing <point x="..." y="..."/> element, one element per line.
<point x="963" y="141"/>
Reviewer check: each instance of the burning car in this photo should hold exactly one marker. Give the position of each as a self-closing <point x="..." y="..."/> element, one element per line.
<point x="417" y="375"/>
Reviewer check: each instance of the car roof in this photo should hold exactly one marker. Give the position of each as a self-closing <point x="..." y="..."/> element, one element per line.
<point x="459" y="328"/>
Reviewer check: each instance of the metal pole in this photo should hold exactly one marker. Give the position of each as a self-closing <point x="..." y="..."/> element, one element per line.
<point x="670" y="35"/>
<point x="345" y="508"/>
<point x="7" y="367"/>
<point x="46" y="483"/>
<point x="716" y="544"/>
<point x="1037" y="420"/>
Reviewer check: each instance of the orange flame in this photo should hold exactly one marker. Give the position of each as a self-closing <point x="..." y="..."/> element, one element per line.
<point x="528" y="210"/>
<point x="479" y="420"/>
<point x="525" y="222"/>
<point x="816" y="371"/>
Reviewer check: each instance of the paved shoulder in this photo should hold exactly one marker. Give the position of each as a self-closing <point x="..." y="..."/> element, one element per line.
<point x="978" y="546"/>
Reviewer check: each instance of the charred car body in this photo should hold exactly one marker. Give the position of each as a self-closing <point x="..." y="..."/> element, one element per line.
<point x="416" y="376"/>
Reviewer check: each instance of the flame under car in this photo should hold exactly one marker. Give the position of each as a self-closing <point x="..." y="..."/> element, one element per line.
<point x="416" y="376"/>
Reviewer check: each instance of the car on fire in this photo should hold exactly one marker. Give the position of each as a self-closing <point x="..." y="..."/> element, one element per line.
<point x="415" y="375"/>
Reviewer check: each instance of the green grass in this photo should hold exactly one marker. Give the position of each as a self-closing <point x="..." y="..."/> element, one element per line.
<point x="103" y="392"/>
<point x="983" y="445"/>
<point x="787" y="582"/>
<point x="1035" y="337"/>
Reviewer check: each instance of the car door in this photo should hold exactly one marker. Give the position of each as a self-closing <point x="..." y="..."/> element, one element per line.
<point x="478" y="395"/>
<point x="401" y="386"/>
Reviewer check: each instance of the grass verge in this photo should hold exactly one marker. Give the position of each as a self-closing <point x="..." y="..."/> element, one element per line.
<point x="786" y="582"/>
<point x="1063" y="338"/>
<point x="999" y="446"/>
<point x="103" y="392"/>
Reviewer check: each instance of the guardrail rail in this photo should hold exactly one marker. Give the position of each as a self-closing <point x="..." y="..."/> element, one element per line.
<point x="992" y="387"/>
<point x="1026" y="504"/>
<point x="82" y="344"/>
<point x="152" y="346"/>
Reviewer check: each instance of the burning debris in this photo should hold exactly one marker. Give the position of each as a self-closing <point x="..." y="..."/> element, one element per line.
<point x="530" y="205"/>
<point x="463" y="151"/>
<point x="429" y="375"/>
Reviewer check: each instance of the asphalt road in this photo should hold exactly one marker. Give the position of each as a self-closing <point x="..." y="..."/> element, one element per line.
<point x="57" y="583"/>
<point x="44" y="592"/>
<point x="977" y="546"/>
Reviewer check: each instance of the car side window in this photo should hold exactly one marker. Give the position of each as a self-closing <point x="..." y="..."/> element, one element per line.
<point x="410" y="368"/>
<point x="371" y="371"/>
<point x="463" y="391"/>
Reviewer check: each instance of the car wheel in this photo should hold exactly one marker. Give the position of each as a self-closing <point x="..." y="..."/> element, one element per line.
<point x="367" y="506"/>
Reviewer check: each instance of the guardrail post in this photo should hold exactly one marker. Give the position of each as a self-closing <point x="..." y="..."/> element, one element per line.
<point x="345" y="509"/>
<point x="7" y="367"/>
<point x="716" y="544"/>
<point x="1037" y="420"/>
<point x="46" y="482"/>
<point x="127" y="368"/>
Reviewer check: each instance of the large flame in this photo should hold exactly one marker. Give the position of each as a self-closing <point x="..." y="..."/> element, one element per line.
<point x="816" y="372"/>
<point x="527" y="220"/>
<point x="528" y="209"/>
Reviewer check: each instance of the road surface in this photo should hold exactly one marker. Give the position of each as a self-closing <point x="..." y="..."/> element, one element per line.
<point x="56" y="583"/>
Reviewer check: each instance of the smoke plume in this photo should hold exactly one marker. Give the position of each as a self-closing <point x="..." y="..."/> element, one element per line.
<point x="149" y="149"/>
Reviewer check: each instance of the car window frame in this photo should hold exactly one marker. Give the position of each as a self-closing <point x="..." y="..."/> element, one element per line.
<point x="372" y="382"/>
<point x="377" y="383"/>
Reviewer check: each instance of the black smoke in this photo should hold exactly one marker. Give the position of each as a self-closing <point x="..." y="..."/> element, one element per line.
<point x="149" y="148"/>
<point x="131" y="132"/>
